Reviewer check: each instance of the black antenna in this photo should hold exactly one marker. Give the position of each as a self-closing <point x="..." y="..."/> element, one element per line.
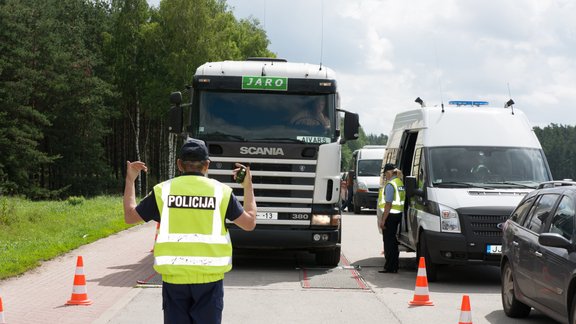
<point x="322" y="34"/>
<point x="509" y="103"/>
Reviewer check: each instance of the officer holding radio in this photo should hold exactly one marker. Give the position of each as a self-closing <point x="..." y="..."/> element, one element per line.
<point x="193" y="250"/>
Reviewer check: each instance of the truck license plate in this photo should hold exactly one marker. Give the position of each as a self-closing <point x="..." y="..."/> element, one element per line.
<point x="493" y="249"/>
<point x="266" y="215"/>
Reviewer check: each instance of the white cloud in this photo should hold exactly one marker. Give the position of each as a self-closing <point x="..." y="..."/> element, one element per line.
<point x="386" y="53"/>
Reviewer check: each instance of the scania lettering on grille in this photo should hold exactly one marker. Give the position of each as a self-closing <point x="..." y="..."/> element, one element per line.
<point x="197" y="202"/>
<point x="251" y="150"/>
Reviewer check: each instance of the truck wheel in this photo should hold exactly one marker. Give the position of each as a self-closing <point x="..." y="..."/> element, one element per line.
<point x="431" y="268"/>
<point x="329" y="258"/>
<point x="512" y="307"/>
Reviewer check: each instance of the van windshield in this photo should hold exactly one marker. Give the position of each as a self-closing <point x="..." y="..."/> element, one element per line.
<point x="369" y="168"/>
<point x="498" y="167"/>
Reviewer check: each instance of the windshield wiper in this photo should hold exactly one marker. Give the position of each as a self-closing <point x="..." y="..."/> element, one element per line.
<point x="454" y="184"/>
<point x="279" y="139"/>
<point x="219" y="135"/>
<point x="515" y="184"/>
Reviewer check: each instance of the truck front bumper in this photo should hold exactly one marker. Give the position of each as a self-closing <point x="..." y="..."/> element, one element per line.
<point x="285" y="238"/>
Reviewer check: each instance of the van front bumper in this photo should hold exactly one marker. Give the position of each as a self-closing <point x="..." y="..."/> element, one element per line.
<point x="366" y="199"/>
<point x="454" y="248"/>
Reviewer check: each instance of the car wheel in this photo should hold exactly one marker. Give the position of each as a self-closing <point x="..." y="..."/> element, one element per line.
<point x="573" y="311"/>
<point x="431" y="268"/>
<point x="512" y="306"/>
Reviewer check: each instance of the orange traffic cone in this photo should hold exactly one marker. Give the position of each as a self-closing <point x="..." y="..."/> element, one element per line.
<point x="156" y="236"/>
<point x="421" y="297"/>
<point x="465" y="312"/>
<point x="79" y="292"/>
<point x="2" y="320"/>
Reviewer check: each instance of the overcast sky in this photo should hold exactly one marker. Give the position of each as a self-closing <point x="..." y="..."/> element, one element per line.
<point x="386" y="53"/>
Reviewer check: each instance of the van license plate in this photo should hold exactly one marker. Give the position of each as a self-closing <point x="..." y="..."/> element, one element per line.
<point x="493" y="249"/>
<point x="266" y="215"/>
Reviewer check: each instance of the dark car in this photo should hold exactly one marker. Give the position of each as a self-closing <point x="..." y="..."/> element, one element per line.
<point x="539" y="254"/>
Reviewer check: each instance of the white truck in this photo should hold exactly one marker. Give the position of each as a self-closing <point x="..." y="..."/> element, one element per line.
<point x="466" y="167"/>
<point x="283" y="119"/>
<point x="366" y="164"/>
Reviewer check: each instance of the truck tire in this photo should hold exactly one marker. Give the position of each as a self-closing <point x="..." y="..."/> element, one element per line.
<point x="329" y="258"/>
<point x="431" y="268"/>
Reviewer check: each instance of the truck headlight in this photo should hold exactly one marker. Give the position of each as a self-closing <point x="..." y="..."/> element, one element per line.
<point x="325" y="220"/>
<point x="449" y="221"/>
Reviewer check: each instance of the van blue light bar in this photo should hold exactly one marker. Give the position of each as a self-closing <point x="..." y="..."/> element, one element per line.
<point x="467" y="103"/>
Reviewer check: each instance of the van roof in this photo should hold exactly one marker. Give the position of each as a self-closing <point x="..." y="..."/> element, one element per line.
<point x="468" y="126"/>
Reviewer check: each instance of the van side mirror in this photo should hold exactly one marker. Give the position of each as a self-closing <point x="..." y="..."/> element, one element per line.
<point x="411" y="186"/>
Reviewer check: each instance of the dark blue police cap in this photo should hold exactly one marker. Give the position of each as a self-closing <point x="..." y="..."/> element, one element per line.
<point x="194" y="150"/>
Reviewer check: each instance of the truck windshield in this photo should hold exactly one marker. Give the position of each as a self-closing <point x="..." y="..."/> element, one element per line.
<point x="498" y="167"/>
<point x="369" y="168"/>
<point x="242" y="116"/>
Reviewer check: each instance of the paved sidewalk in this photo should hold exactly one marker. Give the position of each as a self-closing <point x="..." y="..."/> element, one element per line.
<point x="111" y="265"/>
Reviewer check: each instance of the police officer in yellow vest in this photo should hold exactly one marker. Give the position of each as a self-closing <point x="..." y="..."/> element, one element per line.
<point x="394" y="196"/>
<point x="193" y="248"/>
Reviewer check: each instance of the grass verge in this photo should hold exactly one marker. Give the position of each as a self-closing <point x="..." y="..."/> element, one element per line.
<point x="36" y="231"/>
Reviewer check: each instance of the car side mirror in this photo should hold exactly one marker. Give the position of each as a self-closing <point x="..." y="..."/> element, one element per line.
<point x="555" y="240"/>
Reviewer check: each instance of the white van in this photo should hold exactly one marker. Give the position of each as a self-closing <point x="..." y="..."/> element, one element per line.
<point x="366" y="164"/>
<point x="466" y="167"/>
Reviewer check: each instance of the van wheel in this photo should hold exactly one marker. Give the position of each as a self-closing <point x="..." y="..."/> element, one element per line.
<point x="431" y="268"/>
<point x="329" y="258"/>
<point x="512" y="307"/>
<point x="573" y="311"/>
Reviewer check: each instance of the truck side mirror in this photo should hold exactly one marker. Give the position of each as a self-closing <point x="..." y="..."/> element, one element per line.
<point x="351" y="126"/>
<point x="175" y="114"/>
<point x="176" y="98"/>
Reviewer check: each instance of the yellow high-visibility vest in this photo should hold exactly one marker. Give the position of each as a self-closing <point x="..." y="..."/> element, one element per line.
<point x="193" y="244"/>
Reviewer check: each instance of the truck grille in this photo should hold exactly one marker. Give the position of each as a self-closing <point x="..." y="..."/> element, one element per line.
<point x="276" y="184"/>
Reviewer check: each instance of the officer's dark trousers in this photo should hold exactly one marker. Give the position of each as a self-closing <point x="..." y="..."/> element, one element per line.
<point x="391" y="252"/>
<point x="193" y="303"/>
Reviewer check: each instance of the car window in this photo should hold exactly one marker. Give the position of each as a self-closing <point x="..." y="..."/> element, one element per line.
<point x="521" y="211"/>
<point x="563" y="220"/>
<point x="541" y="211"/>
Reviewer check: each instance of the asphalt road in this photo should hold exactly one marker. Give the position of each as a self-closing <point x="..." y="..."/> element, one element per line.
<point x="287" y="287"/>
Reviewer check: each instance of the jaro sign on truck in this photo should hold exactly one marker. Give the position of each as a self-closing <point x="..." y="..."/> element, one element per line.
<point x="466" y="168"/>
<point x="283" y="119"/>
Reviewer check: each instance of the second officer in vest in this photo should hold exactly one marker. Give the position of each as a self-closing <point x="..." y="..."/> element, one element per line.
<point x="392" y="215"/>
<point x="193" y="248"/>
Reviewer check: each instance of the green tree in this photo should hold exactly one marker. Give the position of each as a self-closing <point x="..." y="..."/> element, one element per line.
<point x="21" y="94"/>
<point x="559" y="145"/>
<point x="76" y="96"/>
